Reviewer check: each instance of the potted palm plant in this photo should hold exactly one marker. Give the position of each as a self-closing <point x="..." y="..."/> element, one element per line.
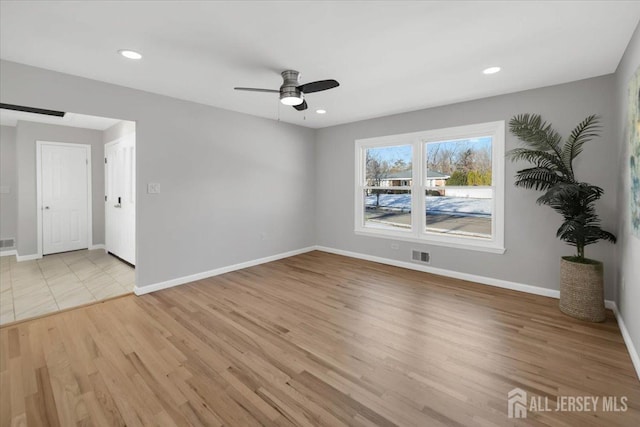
<point x="552" y="172"/>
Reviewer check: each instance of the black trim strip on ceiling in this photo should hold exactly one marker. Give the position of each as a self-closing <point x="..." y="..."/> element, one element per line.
<point x="33" y="110"/>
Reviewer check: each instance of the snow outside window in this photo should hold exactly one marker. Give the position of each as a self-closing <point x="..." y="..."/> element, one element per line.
<point x="444" y="186"/>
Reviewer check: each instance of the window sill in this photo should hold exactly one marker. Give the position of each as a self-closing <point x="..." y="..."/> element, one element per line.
<point x="471" y="245"/>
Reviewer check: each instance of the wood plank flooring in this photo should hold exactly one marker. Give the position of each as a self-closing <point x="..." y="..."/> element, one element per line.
<point x="313" y="340"/>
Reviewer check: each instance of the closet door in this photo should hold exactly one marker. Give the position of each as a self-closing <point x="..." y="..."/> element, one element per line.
<point x="65" y="197"/>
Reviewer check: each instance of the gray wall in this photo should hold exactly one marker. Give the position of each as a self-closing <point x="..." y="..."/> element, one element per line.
<point x="27" y="133"/>
<point x="532" y="251"/>
<point x="628" y="247"/>
<point x="8" y="178"/>
<point x="118" y="130"/>
<point x="226" y="178"/>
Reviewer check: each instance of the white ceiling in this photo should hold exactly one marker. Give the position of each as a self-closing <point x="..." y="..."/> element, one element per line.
<point x="389" y="57"/>
<point x="10" y="118"/>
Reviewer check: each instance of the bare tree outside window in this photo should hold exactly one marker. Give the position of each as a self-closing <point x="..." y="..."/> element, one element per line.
<point x="388" y="174"/>
<point x="466" y="162"/>
<point x="377" y="171"/>
<point x="461" y="203"/>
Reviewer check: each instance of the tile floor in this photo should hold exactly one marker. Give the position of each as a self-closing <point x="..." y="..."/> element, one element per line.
<point x="60" y="281"/>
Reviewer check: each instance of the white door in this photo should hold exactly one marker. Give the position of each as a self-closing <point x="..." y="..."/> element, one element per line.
<point x="65" y="197"/>
<point x="120" y="200"/>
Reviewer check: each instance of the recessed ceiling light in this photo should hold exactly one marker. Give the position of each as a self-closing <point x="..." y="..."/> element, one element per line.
<point x="491" y="70"/>
<point x="321" y="111"/>
<point x="130" y="54"/>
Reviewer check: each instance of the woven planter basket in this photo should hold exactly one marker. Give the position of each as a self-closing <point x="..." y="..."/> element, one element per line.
<point x="582" y="290"/>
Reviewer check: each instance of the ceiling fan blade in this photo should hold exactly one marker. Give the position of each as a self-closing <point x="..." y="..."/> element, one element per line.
<point x="255" y="89"/>
<point x="318" y="86"/>
<point x="302" y="106"/>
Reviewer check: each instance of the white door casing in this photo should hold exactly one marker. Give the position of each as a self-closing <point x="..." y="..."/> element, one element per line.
<point x="120" y="200"/>
<point x="64" y="197"/>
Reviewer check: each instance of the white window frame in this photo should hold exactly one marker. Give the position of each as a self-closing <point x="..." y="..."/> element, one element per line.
<point x="418" y="140"/>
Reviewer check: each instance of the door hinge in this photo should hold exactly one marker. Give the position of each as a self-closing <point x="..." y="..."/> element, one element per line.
<point x="105" y="160"/>
<point x="105" y="198"/>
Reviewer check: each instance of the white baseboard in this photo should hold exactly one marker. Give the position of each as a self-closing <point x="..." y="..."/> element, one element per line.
<point x="8" y="253"/>
<point x="633" y="353"/>
<point x="199" y="276"/>
<point x="553" y="293"/>
<point x="30" y="257"/>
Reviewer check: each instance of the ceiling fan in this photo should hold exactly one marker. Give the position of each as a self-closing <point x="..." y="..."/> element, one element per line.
<point x="292" y="92"/>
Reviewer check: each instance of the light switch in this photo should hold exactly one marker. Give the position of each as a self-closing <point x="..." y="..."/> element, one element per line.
<point x="153" y="188"/>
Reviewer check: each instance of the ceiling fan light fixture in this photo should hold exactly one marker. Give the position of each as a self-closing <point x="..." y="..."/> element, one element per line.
<point x="291" y="100"/>
<point x="291" y="95"/>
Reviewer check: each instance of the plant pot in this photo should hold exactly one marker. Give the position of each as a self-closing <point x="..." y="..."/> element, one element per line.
<point x="582" y="290"/>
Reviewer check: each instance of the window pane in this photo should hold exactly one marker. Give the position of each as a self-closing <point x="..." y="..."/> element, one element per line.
<point x="459" y="211"/>
<point x="459" y="163"/>
<point x="387" y="209"/>
<point x="388" y="166"/>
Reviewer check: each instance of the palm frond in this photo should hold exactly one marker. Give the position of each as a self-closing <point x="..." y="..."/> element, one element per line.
<point x="567" y="231"/>
<point x="584" y="132"/>
<point x="559" y="194"/>
<point x="591" y="193"/>
<point x="538" y="178"/>
<point x="538" y="157"/>
<point x="539" y="135"/>
<point x="597" y="234"/>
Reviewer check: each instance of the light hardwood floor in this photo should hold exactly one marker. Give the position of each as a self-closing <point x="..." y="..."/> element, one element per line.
<point x="316" y="339"/>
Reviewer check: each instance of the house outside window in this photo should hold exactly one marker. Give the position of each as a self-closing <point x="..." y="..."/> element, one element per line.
<point x="443" y="187"/>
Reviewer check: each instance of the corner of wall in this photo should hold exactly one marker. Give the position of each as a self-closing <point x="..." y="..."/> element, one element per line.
<point x="628" y="246"/>
<point x="316" y="226"/>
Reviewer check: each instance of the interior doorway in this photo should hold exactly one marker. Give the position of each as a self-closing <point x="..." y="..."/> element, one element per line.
<point x="68" y="230"/>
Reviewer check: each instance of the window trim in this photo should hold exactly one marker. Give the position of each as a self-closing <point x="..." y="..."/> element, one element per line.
<point x="418" y="141"/>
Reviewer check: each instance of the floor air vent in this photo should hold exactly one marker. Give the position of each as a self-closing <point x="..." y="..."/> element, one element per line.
<point x="419" y="256"/>
<point x="7" y="243"/>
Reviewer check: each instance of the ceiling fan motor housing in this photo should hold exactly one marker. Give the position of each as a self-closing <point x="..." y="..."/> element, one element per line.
<point x="289" y="88"/>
